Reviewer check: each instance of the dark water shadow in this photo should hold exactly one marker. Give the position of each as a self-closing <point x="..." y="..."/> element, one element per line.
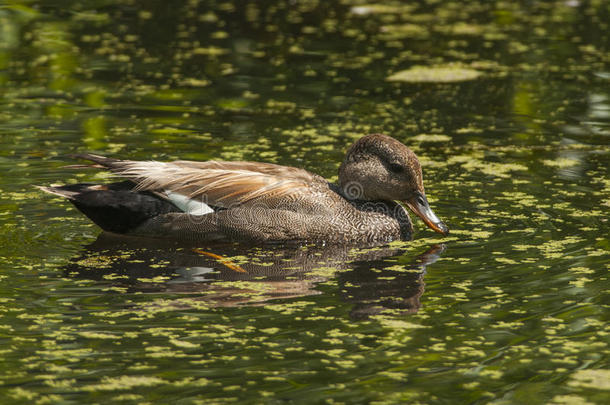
<point x="371" y="280"/>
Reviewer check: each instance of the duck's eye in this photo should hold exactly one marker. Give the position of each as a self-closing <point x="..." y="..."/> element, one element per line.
<point x="396" y="168"/>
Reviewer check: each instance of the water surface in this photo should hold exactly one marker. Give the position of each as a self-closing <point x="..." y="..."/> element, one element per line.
<point x="507" y="105"/>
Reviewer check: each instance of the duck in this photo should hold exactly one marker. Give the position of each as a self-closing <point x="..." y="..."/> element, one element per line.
<point x="258" y="202"/>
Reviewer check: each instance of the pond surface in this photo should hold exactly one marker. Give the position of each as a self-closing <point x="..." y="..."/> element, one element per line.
<point x="507" y="105"/>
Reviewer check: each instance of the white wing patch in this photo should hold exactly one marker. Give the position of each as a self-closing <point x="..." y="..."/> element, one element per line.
<point x="188" y="205"/>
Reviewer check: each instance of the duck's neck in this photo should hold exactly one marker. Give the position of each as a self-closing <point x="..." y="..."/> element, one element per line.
<point x="376" y="215"/>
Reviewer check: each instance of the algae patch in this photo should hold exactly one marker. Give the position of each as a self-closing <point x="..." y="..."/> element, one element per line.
<point x="435" y="74"/>
<point x="598" y="379"/>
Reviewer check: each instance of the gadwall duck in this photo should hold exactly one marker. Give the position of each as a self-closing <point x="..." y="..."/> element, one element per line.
<point x="264" y="202"/>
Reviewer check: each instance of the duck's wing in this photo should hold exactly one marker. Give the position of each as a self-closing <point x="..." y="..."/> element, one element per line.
<point x="225" y="184"/>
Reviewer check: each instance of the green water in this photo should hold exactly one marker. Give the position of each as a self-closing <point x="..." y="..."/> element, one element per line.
<point x="512" y="126"/>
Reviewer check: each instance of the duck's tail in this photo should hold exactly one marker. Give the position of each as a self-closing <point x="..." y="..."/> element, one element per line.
<point x="101" y="161"/>
<point x="113" y="207"/>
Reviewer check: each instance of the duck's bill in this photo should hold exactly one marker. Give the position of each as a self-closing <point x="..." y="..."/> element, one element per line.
<point x="419" y="205"/>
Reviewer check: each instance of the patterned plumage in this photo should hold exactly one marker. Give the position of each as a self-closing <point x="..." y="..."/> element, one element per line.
<point x="261" y="201"/>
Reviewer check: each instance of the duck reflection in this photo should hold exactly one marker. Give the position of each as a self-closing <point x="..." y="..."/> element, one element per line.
<point x="372" y="280"/>
<point x="394" y="282"/>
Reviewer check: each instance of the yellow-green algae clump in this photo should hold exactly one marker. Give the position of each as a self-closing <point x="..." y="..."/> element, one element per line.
<point x="435" y="74"/>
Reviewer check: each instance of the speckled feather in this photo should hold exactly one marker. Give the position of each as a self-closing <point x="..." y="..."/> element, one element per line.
<point x="271" y="203"/>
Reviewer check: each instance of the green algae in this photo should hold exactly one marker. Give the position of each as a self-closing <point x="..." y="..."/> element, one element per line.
<point x="123" y="383"/>
<point x="561" y="163"/>
<point x="430" y="138"/>
<point x="513" y="311"/>
<point x="593" y="378"/>
<point x="435" y="74"/>
<point x="394" y="32"/>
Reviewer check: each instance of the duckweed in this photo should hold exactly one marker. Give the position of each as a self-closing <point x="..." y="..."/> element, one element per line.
<point x="434" y="74"/>
<point x="506" y="105"/>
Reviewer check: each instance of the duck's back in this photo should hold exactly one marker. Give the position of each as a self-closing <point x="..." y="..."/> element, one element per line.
<point x="236" y="201"/>
<point x="228" y="184"/>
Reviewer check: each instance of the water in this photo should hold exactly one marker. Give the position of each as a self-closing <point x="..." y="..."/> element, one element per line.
<point x="512" y="307"/>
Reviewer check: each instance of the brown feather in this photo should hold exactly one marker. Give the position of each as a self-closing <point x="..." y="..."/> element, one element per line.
<point x="228" y="184"/>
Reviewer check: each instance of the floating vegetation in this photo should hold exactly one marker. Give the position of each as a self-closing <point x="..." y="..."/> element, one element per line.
<point x="379" y="8"/>
<point x="561" y="162"/>
<point x="430" y="138"/>
<point x="593" y="378"/>
<point x="435" y="74"/>
<point x="124" y="383"/>
<point x="506" y="104"/>
<point x="394" y="32"/>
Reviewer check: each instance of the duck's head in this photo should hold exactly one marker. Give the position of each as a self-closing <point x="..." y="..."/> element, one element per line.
<point x="378" y="167"/>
